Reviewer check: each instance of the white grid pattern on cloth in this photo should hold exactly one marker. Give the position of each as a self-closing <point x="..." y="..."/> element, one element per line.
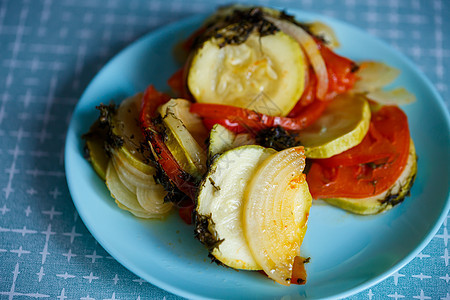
<point x="46" y="62"/>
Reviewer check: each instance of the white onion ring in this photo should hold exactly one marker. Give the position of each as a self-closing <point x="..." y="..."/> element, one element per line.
<point x="310" y="47"/>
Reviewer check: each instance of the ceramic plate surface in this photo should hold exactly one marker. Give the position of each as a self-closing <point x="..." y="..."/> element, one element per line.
<point x="348" y="253"/>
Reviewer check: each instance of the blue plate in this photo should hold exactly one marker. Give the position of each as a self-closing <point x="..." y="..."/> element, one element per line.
<point x="348" y="253"/>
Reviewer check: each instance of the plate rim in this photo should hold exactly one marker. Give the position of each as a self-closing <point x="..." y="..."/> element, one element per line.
<point x="181" y="292"/>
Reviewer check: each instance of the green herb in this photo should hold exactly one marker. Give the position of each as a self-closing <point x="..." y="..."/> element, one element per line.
<point x="103" y="128"/>
<point x="205" y="232"/>
<point x="300" y="281"/>
<point x="394" y="199"/>
<point x="217" y="188"/>
<point x="277" y="138"/>
<point x="236" y="27"/>
<point x="210" y="160"/>
<point x="174" y="194"/>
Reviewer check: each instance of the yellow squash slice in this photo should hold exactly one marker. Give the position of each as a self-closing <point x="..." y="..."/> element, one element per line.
<point x="342" y="126"/>
<point x="264" y="73"/>
<point x="184" y="133"/>
<point x="126" y="125"/>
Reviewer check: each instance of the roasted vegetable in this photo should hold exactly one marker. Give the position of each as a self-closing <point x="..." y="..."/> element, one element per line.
<point x="95" y="150"/>
<point x="220" y="198"/>
<point x="277" y="138"/>
<point x="179" y="140"/>
<point x="125" y="124"/>
<point x="385" y="200"/>
<point x="276" y="210"/>
<point x="180" y="184"/>
<point x="130" y="174"/>
<point x="241" y="119"/>
<point x="248" y="64"/>
<point x="222" y="139"/>
<point x="372" y="172"/>
<point x="343" y="125"/>
<point x="146" y="202"/>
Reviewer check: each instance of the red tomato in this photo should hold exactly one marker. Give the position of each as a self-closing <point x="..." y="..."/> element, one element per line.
<point x="251" y="120"/>
<point x="177" y="83"/>
<point x="233" y="126"/>
<point x="367" y="176"/>
<point x="308" y="96"/>
<point x="151" y="100"/>
<point x="299" y="271"/>
<point x="341" y="75"/>
<point x="372" y="148"/>
<point x="185" y="213"/>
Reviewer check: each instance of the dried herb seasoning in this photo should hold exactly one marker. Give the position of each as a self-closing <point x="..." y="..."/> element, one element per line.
<point x="204" y="231"/>
<point x="235" y="28"/>
<point x="104" y="128"/>
<point x="277" y="138"/>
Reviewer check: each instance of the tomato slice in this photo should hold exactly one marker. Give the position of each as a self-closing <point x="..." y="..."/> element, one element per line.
<point x="373" y="147"/>
<point x="151" y="100"/>
<point x="177" y="83"/>
<point x="308" y="96"/>
<point x="186" y="212"/>
<point x="253" y="121"/>
<point x="341" y="72"/>
<point x="191" y="40"/>
<point x="235" y="127"/>
<point x="298" y="270"/>
<point x="354" y="174"/>
<point x="341" y="78"/>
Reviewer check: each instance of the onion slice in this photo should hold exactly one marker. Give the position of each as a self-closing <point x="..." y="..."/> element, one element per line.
<point x="152" y="200"/>
<point x="324" y="31"/>
<point x="124" y="198"/>
<point x="276" y="210"/>
<point x="374" y="75"/>
<point x="310" y="47"/>
<point x="397" y="96"/>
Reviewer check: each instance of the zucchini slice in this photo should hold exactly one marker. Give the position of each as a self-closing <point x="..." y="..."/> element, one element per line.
<point x="222" y="139"/>
<point x="386" y="200"/>
<point x="194" y="124"/>
<point x="186" y="150"/>
<point x="125" y="124"/>
<point x="220" y="202"/>
<point x="265" y="73"/>
<point x="118" y="133"/>
<point x="95" y="149"/>
<point x="343" y="125"/>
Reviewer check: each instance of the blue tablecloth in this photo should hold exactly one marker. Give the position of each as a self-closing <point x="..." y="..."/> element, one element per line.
<point x="50" y="50"/>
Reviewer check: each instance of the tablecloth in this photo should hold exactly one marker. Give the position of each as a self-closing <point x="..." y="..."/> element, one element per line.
<point x="50" y="50"/>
